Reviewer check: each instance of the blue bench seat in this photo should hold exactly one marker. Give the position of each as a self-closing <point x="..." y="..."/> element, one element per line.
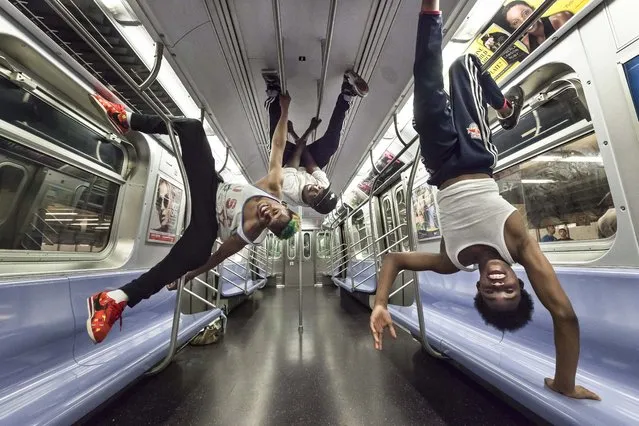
<point x="51" y="372"/>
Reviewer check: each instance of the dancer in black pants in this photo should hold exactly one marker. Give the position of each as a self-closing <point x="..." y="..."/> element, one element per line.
<point x="480" y="229"/>
<point x="239" y="214"/>
<point x="310" y="187"/>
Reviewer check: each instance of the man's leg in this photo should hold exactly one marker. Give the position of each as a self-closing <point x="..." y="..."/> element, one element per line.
<point x="323" y="148"/>
<point x="433" y="117"/>
<point x="272" y="105"/>
<point x="471" y="93"/>
<point x="194" y="248"/>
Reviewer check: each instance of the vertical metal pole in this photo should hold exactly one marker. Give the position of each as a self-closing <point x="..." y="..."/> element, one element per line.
<point x="413" y="247"/>
<point x="280" y="44"/>
<point x="300" y="326"/>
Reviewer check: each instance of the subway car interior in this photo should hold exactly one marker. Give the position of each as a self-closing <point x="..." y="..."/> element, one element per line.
<point x="281" y="328"/>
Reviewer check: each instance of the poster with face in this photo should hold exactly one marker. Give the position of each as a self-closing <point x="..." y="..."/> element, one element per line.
<point x="163" y="224"/>
<point x="510" y="17"/>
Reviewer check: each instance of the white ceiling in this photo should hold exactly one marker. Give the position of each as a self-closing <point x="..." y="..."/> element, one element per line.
<point x="194" y="34"/>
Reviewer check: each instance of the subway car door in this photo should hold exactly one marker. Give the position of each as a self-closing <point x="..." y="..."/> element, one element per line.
<point x="308" y="258"/>
<point x="292" y="262"/>
<point x="407" y="294"/>
<point x="389" y="225"/>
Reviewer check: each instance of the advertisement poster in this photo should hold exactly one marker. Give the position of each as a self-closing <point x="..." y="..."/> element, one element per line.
<point x="163" y="224"/>
<point x="510" y="17"/>
<point x="424" y="207"/>
<point x="366" y="184"/>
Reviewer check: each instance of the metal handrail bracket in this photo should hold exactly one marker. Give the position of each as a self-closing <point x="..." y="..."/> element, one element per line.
<point x="159" y="50"/>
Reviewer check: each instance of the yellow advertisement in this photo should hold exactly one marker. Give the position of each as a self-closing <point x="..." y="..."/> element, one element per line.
<point x="510" y="17"/>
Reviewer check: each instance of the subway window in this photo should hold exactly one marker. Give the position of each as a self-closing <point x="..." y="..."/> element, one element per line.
<point x="323" y="248"/>
<point x="359" y="225"/>
<point x="12" y="179"/>
<point x="424" y="206"/>
<point x="292" y="247"/>
<point x="27" y="111"/>
<point x="307" y="245"/>
<point x="400" y="198"/>
<point x="273" y="247"/>
<point x="48" y="205"/>
<point x="563" y="194"/>
<point x="389" y="224"/>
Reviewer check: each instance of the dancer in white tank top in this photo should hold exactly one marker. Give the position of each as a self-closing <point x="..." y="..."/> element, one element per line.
<point x="239" y="214"/>
<point x="480" y="229"/>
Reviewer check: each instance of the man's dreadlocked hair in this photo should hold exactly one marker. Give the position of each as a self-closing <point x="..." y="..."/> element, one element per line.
<point x="291" y="228"/>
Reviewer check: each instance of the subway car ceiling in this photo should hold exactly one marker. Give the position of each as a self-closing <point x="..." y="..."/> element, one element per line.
<point x="217" y="51"/>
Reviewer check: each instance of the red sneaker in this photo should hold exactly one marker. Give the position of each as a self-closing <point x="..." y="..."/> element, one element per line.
<point x="115" y="113"/>
<point x="103" y="313"/>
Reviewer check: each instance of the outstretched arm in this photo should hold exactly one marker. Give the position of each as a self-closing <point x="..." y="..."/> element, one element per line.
<point x="226" y="250"/>
<point x="278" y="143"/>
<point x="565" y="324"/>
<point x="272" y="182"/>
<point x="393" y="264"/>
<point x="411" y="261"/>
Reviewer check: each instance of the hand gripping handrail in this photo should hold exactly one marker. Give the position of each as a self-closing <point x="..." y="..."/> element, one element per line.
<point x="413" y="247"/>
<point x="399" y="136"/>
<point x="71" y="20"/>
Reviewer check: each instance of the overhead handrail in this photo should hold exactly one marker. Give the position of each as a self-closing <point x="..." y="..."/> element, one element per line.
<point x="280" y="44"/>
<point x="159" y="50"/>
<point x="413" y="247"/>
<point x="226" y="160"/>
<point x="370" y="153"/>
<point x="370" y="198"/>
<point x="88" y="38"/>
<point x="326" y="51"/>
<point x="399" y="136"/>
<point x="514" y="37"/>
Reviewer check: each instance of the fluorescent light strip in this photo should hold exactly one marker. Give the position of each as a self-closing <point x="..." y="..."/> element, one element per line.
<point x="571" y="159"/>
<point x="537" y="181"/>
<point x="142" y="43"/>
<point x="61" y="214"/>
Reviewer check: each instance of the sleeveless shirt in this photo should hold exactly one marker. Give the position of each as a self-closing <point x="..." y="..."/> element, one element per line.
<point x="229" y="207"/>
<point x="472" y="212"/>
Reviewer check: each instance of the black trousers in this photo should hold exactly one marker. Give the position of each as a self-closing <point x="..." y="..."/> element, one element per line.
<point x="323" y="148"/>
<point x="454" y="132"/>
<point x="194" y="247"/>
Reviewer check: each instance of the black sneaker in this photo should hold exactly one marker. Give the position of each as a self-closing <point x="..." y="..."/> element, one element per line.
<point x="354" y="85"/>
<point x="272" y="80"/>
<point x="516" y="98"/>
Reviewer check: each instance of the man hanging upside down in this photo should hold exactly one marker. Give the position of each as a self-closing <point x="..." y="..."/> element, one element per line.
<point x="479" y="228"/>
<point x="310" y="187"/>
<point x="240" y="214"/>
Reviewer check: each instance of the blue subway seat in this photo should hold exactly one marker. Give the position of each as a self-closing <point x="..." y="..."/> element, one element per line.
<point x="50" y="371"/>
<point x="518" y="362"/>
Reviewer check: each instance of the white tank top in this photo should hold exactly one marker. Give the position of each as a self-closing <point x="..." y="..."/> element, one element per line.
<point x="472" y="212"/>
<point x="229" y="205"/>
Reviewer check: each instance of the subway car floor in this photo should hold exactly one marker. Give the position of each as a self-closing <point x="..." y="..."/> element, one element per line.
<point x="263" y="373"/>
